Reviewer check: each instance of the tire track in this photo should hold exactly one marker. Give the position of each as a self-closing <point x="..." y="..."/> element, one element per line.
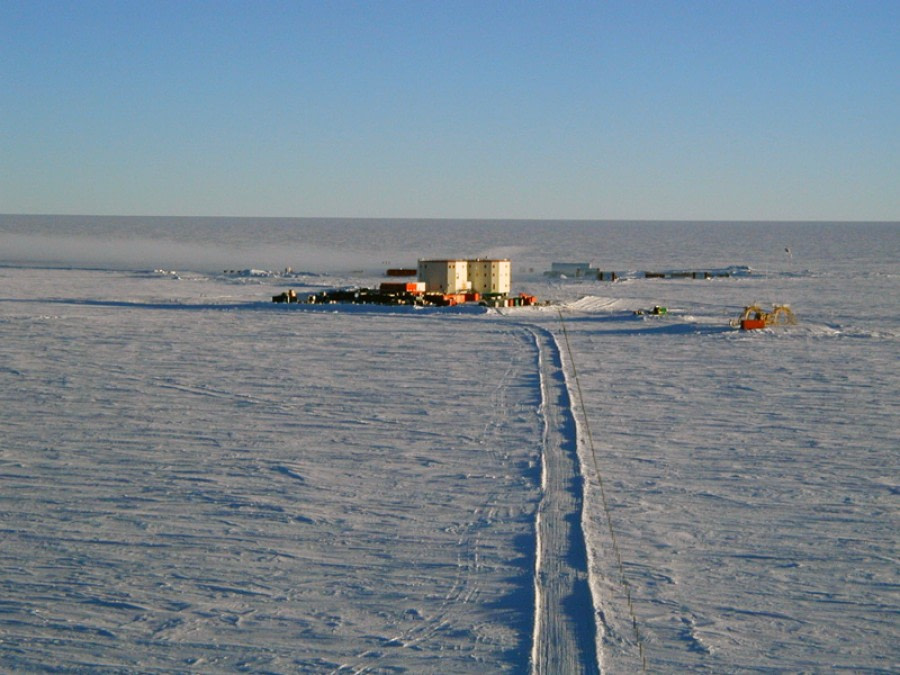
<point x="467" y="582"/>
<point x="565" y="630"/>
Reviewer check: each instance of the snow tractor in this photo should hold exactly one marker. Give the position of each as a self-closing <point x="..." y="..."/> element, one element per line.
<point x="755" y="318"/>
<point x="657" y="310"/>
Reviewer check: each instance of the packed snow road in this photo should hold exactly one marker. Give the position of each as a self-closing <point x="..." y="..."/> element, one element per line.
<point x="565" y="634"/>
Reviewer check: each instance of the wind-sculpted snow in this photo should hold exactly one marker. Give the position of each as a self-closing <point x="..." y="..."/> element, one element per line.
<point x="753" y="483"/>
<point x="231" y="490"/>
<point x="195" y="479"/>
<point x="597" y="304"/>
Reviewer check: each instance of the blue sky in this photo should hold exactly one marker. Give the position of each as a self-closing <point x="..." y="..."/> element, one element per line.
<point x="597" y="110"/>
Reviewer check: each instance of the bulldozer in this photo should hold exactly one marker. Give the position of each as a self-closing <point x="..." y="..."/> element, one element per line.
<point x="755" y="318"/>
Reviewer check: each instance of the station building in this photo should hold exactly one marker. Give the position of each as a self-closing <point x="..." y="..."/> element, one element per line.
<point x="483" y="276"/>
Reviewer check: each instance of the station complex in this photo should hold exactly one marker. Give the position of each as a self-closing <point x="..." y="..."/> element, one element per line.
<point x="444" y="283"/>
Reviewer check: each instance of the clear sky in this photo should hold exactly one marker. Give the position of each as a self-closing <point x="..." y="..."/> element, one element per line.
<point x="745" y="109"/>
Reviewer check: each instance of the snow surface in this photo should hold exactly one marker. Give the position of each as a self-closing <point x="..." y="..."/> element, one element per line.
<point x="194" y="479"/>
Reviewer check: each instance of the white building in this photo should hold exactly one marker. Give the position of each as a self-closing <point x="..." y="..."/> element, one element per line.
<point x="490" y="276"/>
<point x="444" y="276"/>
<point x="465" y="276"/>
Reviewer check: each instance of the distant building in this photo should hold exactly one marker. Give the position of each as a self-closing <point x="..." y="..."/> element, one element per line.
<point x="464" y="276"/>
<point x="571" y="269"/>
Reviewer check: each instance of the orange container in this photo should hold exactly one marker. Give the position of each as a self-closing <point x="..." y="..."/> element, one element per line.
<point x="753" y="324"/>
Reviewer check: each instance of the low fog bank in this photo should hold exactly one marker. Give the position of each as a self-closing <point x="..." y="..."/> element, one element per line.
<point x="142" y="253"/>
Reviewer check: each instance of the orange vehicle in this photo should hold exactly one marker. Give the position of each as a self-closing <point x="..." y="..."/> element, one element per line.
<point x="755" y="318"/>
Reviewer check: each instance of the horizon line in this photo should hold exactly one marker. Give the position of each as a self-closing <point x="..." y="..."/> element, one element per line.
<point x="467" y="218"/>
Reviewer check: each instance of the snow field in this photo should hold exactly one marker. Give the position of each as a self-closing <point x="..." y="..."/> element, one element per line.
<point x="193" y="479"/>
<point x="748" y="476"/>
<point x="205" y="489"/>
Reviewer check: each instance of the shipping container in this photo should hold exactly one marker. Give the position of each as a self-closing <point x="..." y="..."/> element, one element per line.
<point x="403" y="286"/>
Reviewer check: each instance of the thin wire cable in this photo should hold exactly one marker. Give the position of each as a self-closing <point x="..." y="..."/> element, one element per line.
<point x="612" y="533"/>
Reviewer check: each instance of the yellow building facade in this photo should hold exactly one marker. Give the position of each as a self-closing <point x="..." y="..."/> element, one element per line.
<point x="484" y="276"/>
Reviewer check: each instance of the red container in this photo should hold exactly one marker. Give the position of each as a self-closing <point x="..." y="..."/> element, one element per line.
<point x="753" y="324"/>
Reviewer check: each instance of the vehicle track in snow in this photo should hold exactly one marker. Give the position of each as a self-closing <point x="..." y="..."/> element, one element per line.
<point x="565" y="630"/>
<point x="474" y="532"/>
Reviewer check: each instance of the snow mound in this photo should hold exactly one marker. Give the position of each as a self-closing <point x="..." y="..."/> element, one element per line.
<point x="593" y="303"/>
